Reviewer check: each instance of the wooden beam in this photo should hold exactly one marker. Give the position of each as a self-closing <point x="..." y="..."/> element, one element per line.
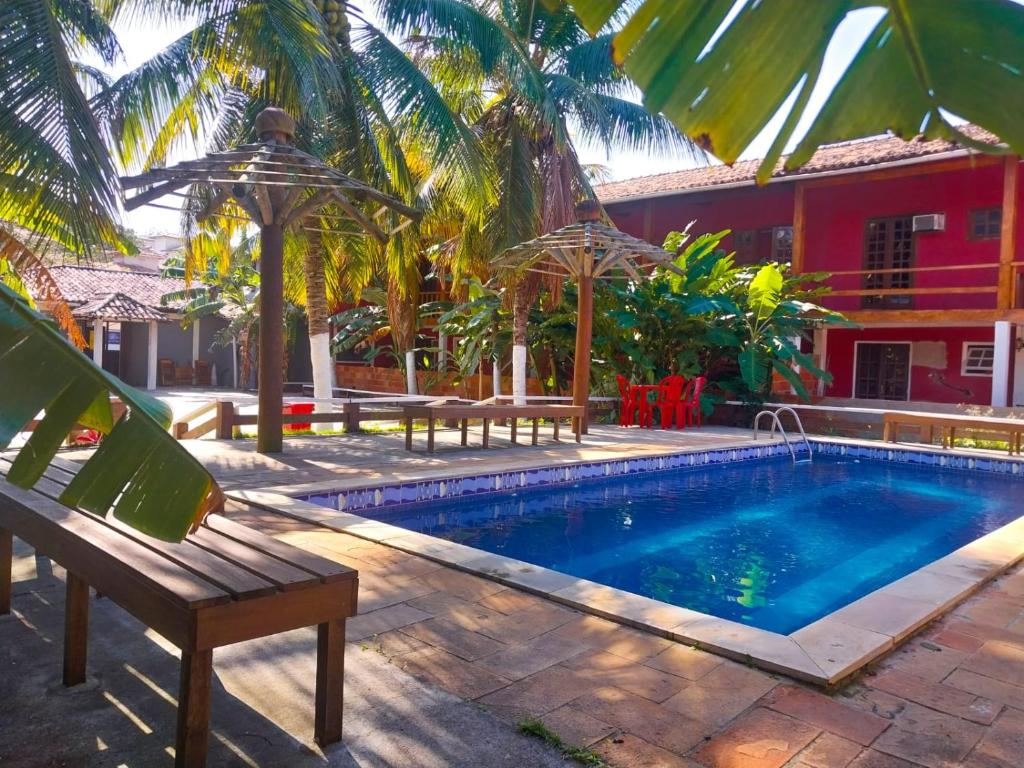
<point x="905" y="171"/>
<point x="914" y="291"/>
<point x="932" y="316"/>
<point x="1008" y="232"/>
<point x="799" y="227"/>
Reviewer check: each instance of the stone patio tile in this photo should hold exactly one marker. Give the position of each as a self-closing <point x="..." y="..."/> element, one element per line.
<point x="759" y="739"/>
<point x="829" y="751"/>
<point x="1003" y="744"/>
<point x="887" y="614"/>
<point x="924" y="659"/>
<point x="451" y="673"/>
<point x="944" y="698"/>
<point x="996" y="612"/>
<point x="609" y="669"/>
<point x="524" y="659"/>
<point x="826" y="713"/>
<point x="598" y="633"/>
<point x="684" y="661"/>
<point x="527" y="624"/>
<point x="721" y="694"/>
<point x="374" y="623"/>
<point x="635" y="610"/>
<point x="376" y="592"/>
<point x="986" y="632"/>
<point x="929" y="738"/>
<point x="838" y="648"/>
<point x="869" y="758"/>
<point x="629" y="751"/>
<point x="651" y="722"/>
<point x="442" y="633"/>
<point x="464" y="585"/>
<point x="510" y="601"/>
<point x="471" y="616"/>
<point x="542" y="692"/>
<point x="940" y="589"/>
<point x="395" y="643"/>
<point x="575" y="728"/>
<point x="958" y="641"/>
<point x="526" y="575"/>
<point x="999" y="661"/>
<point x="980" y="685"/>
<point x="871" y="700"/>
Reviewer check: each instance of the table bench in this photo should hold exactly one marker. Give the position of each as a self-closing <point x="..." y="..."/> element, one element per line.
<point x="463" y="413"/>
<point x="950" y="423"/>
<point x="223" y="584"/>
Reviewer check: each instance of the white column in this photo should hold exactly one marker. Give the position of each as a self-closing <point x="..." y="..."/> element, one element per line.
<point x="496" y="376"/>
<point x="410" y="371"/>
<point x="1003" y="343"/>
<point x="97" y="342"/>
<point x="234" y="364"/>
<point x="519" y="373"/>
<point x="442" y="352"/>
<point x="152" y="356"/>
<point x="195" y="340"/>
<point x="323" y="380"/>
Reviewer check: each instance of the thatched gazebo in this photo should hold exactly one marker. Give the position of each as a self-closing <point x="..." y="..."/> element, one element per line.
<point x="275" y="186"/>
<point x="583" y="252"/>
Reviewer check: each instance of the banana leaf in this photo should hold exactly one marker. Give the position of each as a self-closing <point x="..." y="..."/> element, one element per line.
<point x="722" y="76"/>
<point x="139" y="473"/>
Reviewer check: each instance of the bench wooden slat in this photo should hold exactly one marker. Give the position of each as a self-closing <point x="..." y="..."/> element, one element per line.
<point x="286" y="576"/>
<point x="327" y="570"/>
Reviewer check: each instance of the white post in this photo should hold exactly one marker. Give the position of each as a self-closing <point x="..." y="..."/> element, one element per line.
<point x="152" y="356"/>
<point x="442" y="352"/>
<point x="821" y="352"/>
<point x="1003" y="343"/>
<point x="519" y="373"/>
<point x="195" y="340"/>
<point x="410" y="371"/>
<point x="97" y="342"/>
<point x="234" y="364"/>
<point x="323" y="375"/>
<point x="496" y="376"/>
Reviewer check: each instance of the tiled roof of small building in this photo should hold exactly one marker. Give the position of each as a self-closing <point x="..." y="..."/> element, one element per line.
<point x="79" y="285"/>
<point x="117" y="307"/>
<point x="847" y="155"/>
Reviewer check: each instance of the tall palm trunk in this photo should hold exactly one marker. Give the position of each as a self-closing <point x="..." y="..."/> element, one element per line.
<point x="402" y="304"/>
<point x="318" y="317"/>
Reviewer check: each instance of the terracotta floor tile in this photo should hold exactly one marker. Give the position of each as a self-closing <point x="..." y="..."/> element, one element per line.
<point x="520" y="660"/>
<point x="829" y="751"/>
<point x="449" y="672"/>
<point x="869" y="758"/>
<point x="990" y="610"/>
<point x="999" y="661"/>
<point x="826" y="713"/>
<point x="944" y="698"/>
<point x="629" y="751"/>
<point x="610" y="670"/>
<point x="601" y="634"/>
<point x="924" y="659"/>
<point x="575" y="728"/>
<point x="930" y="738"/>
<point x="871" y="700"/>
<point x="684" y="661"/>
<point x="527" y="624"/>
<point x="981" y="685"/>
<point x="651" y="722"/>
<point x="512" y="601"/>
<point x="760" y="739"/>
<point x="464" y="585"/>
<point x="986" y="632"/>
<point x="471" y="616"/>
<point x="542" y="692"/>
<point x="957" y="641"/>
<point x="1003" y="744"/>
<point x="450" y="637"/>
<point x="395" y="643"/>
<point x="374" y="623"/>
<point x="722" y="694"/>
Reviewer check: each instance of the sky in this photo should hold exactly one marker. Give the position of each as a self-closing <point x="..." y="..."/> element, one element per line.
<point x="142" y="41"/>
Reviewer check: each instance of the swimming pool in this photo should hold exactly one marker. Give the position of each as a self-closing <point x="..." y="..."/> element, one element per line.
<point x="763" y="543"/>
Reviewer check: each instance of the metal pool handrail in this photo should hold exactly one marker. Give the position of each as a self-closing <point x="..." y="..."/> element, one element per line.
<point x="777" y="424"/>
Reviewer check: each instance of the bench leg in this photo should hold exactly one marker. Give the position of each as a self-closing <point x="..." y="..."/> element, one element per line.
<point x="487" y="431"/>
<point x="6" y="566"/>
<point x="465" y="431"/>
<point x="76" y="629"/>
<point x="430" y="435"/>
<point x="330" y="681"/>
<point x="194" y="709"/>
<point x="408" y="434"/>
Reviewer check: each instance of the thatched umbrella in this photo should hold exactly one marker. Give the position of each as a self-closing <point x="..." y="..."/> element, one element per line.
<point x="585" y="251"/>
<point x="276" y="186"/>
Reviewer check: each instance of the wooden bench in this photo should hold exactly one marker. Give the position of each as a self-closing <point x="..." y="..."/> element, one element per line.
<point x="224" y="584"/>
<point x="950" y="423"/>
<point x="463" y="413"/>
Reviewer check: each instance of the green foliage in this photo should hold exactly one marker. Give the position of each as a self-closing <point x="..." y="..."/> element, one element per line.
<point x="538" y="730"/>
<point x="139" y="471"/>
<point x="722" y="78"/>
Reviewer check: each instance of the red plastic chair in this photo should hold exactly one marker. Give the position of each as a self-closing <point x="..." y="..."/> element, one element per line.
<point x="669" y="400"/>
<point x="627" y="407"/>
<point x="689" y="405"/>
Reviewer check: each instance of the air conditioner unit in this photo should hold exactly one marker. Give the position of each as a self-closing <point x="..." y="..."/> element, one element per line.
<point x="930" y="222"/>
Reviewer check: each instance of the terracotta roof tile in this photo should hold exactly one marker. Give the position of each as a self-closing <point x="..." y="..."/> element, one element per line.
<point x="117" y="307"/>
<point x="79" y="285"/>
<point x="846" y="155"/>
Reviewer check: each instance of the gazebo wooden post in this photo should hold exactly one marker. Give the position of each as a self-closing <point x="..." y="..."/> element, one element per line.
<point x="584" y="336"/>
<point x="269" y="433"/>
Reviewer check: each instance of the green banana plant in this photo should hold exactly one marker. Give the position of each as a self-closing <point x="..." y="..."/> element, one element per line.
<point x="139" y="473"/>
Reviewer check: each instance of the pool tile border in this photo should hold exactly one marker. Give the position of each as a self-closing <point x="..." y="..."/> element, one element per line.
<point x="824" y="652"/>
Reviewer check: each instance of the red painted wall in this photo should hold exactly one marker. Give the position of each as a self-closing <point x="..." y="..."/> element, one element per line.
<point x="923" y="386"/>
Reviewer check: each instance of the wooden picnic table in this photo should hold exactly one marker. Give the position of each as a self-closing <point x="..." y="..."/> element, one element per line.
<point x="950" y="423"/>
<point x="487" y="413"/>
<point x="223" y="584"/>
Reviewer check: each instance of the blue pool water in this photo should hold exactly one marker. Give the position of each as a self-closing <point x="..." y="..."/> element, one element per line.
<point x="765" y="543"/>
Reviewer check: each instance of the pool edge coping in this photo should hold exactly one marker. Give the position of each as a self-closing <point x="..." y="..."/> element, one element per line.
<point x="824" y="652"/>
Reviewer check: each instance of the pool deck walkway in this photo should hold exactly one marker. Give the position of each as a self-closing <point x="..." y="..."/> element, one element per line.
<point x="433" y="645"/>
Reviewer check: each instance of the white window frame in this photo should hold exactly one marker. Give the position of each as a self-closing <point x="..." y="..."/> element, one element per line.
<point x="910" y="366"/>
<point x="963" y="358"/>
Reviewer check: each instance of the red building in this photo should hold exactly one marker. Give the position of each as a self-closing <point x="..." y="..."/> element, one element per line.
<point x="920" y="238"/>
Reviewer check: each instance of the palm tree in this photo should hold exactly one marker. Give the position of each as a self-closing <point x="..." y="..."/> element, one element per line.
<point x="542" y="79"/>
